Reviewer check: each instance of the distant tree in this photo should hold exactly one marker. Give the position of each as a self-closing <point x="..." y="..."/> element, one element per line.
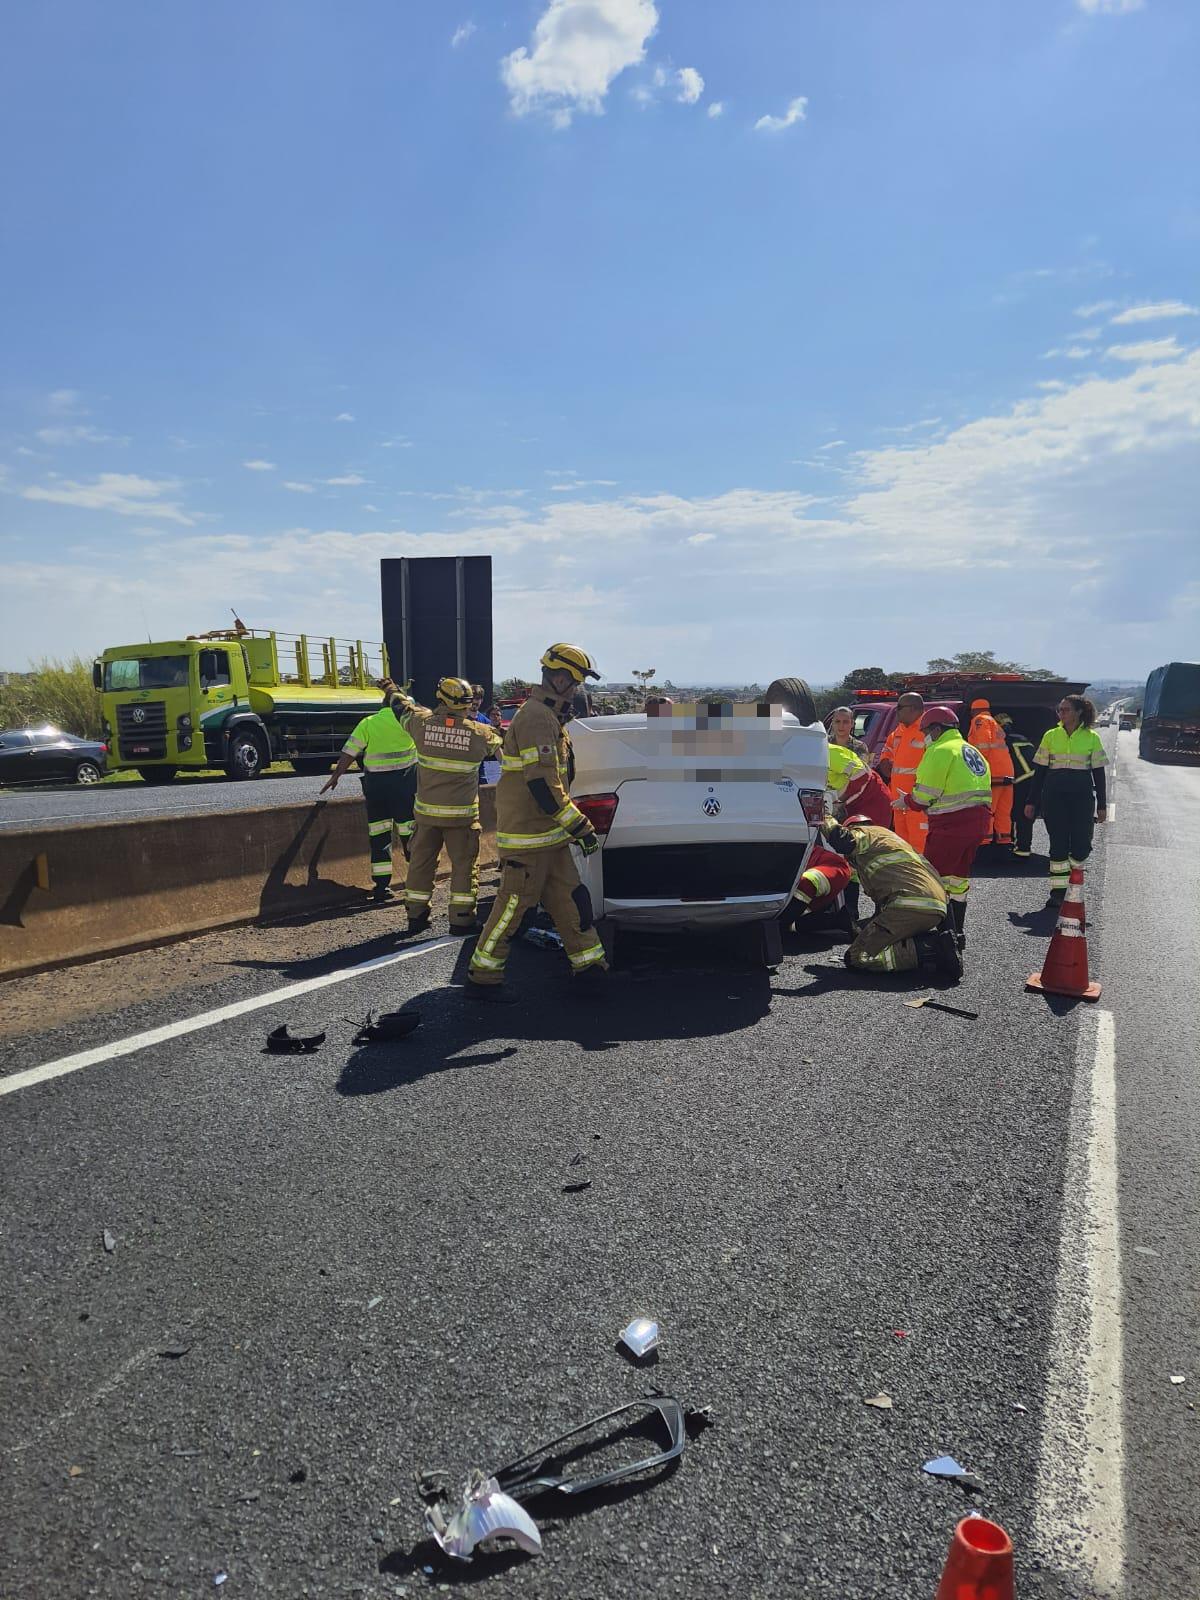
<point x="984" y="662"/>
<point x="511" y="689"/>
<point x="56" y="692"/>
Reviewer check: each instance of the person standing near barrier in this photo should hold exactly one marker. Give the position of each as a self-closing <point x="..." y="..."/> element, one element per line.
<point x="1021" y="750"/>
<point x="1069" y="787"/>
<point x="953" y="786"/>
<point x="988" y="738"/>
<point x="537" y="822"/>
<point x="389" y="760"/>
<point x="898" y="764"/>
<point x="451" y="743"/>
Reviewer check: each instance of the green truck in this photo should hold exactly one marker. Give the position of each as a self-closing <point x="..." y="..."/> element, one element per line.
<point x="236" y="699"/>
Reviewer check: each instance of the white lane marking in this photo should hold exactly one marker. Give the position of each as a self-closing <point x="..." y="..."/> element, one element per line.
<point x="206" y="1019"/>
<point x="1080" y="1509"/>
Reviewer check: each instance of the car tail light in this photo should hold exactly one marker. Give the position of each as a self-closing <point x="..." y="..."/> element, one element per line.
<point x="103" y="749"/>
<point x="813" y="801"/>
<point x="599" y="809"/>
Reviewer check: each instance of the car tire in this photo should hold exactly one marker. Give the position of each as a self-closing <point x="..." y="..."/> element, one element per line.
<point x="245" y="760"/>
<point x="794" y="695"/>
<point x="88" y="772"/>
<point x="157" y="775"/>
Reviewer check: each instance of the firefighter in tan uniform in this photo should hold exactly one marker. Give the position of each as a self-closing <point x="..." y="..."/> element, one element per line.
<point x="450" y="746"/>
<point x="909" y="928"/>
<point x="536" y="824"/>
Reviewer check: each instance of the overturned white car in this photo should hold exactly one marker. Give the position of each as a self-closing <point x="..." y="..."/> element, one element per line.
<point x="706" y="815"/>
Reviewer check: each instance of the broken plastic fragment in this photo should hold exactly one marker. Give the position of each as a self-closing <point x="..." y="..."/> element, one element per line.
<point x="577" y="1188"/>
<point x="281" y="1042"/>
<point x="944" y="1467"/>
<point x="375" y="1300"/>
<point x="641" y="1336"/>
<point x="390" y="1026"/>
<point x="881" y="1402"/>
<point x="531" y="1474"/>
<point x="1178" y="1377"/>
<point x="487" y="1515"/>
<point x="110" y="1243"/>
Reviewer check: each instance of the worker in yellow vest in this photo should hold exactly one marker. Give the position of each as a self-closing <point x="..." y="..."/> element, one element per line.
<point x="451" y="743"/>
<point x="389" y="762"/>
<point x="1069" y="787"/>
<point x="953" y="787"/>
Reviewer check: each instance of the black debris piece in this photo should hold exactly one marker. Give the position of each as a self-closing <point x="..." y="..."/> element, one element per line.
<point x="173" y="1352"/>
<point x="392" y="1025"/>
<point x="577" y="1188"/>
<point x="541" y="1470"/>
<point x="433" y="1484"/>
<point x="281" y="1042"/>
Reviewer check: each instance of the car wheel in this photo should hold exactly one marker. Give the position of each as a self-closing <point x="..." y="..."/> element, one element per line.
<point x="794" y="695"/>
<point x="156" y="775"/>
<point x="245" y="759"/>
<point x="88" y="772"/>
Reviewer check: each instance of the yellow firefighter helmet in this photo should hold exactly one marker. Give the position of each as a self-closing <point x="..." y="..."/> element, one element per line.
<point x="455" y="694"/>
<point x="570" y="658"/>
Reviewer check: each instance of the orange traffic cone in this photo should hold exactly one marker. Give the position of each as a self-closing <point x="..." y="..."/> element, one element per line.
<point x="1065" y="970"/>
<point x="980" y="1563"/>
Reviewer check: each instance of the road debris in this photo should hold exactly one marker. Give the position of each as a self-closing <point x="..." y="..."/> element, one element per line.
<point x="881" y="1402"/>
<point x="577" y="1188"/>
<point x="375" y="1300"/>
<point x="432" y="1484"/>
<point x="529" y="1475"/>
<point x="1144" y="1250"/>
<point x="219" y="1579"/>
<point x="946" y="1467"/>
<point x="388" y="1027"/>
<point x="900" y="1333"/>
<point x="641" y="1336"/>
<point x="543" y="938"/>
<point x="281" y="1042"/>
<point x="486" y="1517"/>
<point x="1017" y="1406"/>
<point x="1178" y="1377"/>
<point x="109" y="1241"/>
<point x="174" y="1352"/>
<point x="74" y="1472"/>
<point x="940" y="1005"/>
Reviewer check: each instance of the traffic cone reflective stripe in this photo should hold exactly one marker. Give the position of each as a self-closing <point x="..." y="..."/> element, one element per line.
<point x="980" y="1563"/>
<point x="1065" y="970"/>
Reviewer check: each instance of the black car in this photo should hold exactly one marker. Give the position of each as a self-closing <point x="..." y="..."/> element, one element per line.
<point x="44" y="755"/>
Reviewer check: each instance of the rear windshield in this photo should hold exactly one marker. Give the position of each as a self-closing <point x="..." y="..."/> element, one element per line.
<point x="148" y="672"/>
<point x="1180" y="695"/>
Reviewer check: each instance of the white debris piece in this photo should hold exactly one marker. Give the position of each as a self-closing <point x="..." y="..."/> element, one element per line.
<point x="641" y="1336"/>
<point x="486" y="1517"/>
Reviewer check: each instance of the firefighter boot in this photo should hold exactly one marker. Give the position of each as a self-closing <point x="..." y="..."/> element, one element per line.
<point x="496" y="994"/>
<point x="381" y="894"/>
<point x="958" y="915"/>
<point x="418" y="921"/>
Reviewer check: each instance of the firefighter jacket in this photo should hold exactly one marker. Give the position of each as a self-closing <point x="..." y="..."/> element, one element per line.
<point x="1021" y="750"/>
<point x="381" y="742"/>
<point x="534" y="811"/>
<point x="904" y="748"/>
<point x="450" y="747"/>
<point x="988" y="738"/>
<point x="952" y="776"/>
<point x="844" y="766"/>
<point x="892" y="872"/>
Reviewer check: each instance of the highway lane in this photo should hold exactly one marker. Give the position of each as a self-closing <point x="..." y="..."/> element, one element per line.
<point x="120" y="802"/>
<point x="787" y="1171"/>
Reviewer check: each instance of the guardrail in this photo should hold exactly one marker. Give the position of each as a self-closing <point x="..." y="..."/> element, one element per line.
<point x="76" y="893"/>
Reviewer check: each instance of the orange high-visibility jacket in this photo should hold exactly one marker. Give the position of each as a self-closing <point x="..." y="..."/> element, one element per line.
<point x="988" y="738"/>
<point x="904" y="749"/>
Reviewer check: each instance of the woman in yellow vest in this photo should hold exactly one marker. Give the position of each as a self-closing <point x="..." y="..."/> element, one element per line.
<point x="1068" y="787"/>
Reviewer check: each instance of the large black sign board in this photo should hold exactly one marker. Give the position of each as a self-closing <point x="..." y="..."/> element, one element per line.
<point x="437" y="620"/>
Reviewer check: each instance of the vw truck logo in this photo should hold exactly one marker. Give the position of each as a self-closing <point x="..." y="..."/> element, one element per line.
<point x="710" y="806"/>
<point x="139" y="713"/>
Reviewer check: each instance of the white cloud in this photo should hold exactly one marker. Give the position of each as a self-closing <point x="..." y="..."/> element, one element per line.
<point x="297" y="488"/>
<point x="796" y="112"/>
<point x="348" y="480"/>
<point x="121" y="492"/>
<point x="1109" y="7"/>
<point x="717" y="108"/>
<point x="1088" y="333"/>
<point x="77" y="433"/>
<point x="690" y="85"/>
<point x="1148" y="350"/>
<point x="1095" y="309"/>
<point x="701" y="538"/>
<point x="1156" y="311"/>
<point x="578" y="48"/>
<point x="1052" y="384"/>
<point x="832" y="445"/>
<point x="344" y="416"/>
<point x="1074" y="352"/>
<point x="259" y="466"/>
<point x="461" y="34"/>
<point x="65" y="402"/>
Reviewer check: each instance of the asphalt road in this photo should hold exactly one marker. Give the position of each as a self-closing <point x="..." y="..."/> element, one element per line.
<point x="369" y="1259"/>
<point x="119" y="802"/>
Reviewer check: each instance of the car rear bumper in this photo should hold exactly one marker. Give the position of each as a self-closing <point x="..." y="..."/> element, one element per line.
<point x="680" y="914"/>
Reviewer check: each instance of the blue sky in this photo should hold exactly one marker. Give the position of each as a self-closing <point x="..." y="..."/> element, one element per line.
<point x="777" y="337"/>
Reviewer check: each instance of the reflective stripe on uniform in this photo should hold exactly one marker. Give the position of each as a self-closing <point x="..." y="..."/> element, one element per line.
<point x="465" y="899"/>
<point x="915" y="902"/>
<point x="890" y="858"/>
<point x="418" y="894"/>
<point x="426" y="808"/>
<point x="393" y="761"/>
<point x="381" y="869"/>
<point x="489" y="963"/>
<point x="374" y="829"/>
<point x="531" y="841"/>
<point x="960" y="802"/>
<point x="587" y="956"/>
<point x="483" y="951"/>
<point x="445" y="764"/>
<point x="815" y="880"/>
<point x="354" y="747"/>
<point x="405" y="829"/>
<point x="569" y="813"/>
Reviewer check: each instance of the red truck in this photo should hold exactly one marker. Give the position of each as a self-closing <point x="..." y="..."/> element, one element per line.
<point x="1030" y="702"/>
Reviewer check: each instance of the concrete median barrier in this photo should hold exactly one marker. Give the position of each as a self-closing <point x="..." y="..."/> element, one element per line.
<point x="77" y="892"/>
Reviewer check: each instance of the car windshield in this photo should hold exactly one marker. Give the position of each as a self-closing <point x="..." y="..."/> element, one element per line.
<point x="147" y="672"/>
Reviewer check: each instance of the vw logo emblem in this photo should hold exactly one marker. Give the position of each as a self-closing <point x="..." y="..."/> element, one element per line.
<point x="710" y="806"/>
<point x="139" y="714"/>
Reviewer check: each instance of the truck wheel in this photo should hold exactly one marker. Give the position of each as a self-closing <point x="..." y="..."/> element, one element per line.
<point x="770" y="935"/>
<point x="794" y="695"/>
<point x="156" y="775"/>
<point x="245" y="760"/>
<point x="87" y="772"/>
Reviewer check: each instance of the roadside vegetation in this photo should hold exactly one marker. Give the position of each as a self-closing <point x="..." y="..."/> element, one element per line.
<point x="54" y="693"/>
